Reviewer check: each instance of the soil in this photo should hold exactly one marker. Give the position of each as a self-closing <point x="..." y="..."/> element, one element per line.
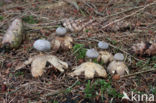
<point x="52" y="87"/>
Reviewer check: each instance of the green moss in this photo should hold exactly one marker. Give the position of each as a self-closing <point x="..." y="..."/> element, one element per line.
<point x="19" y="73"/>
<point x="154" y="58"/>
<point x="139" y="63"/>
<point x="112" y="41"/>
<point x="55" y="101"/>
<point x="153" y="90"/>
<point x="29" y="19"/>
<point x="91" y="89"/>
<point x="1" y="18"/>
<point x="79" y="51"/>
<point x="95" y="60"/>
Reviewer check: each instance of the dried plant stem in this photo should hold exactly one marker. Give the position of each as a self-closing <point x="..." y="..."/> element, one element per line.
<point x="115" y="21"/>
<point x="56" y="92"/>
<point x="140" y="72"/>
<point x="118" y="13"/>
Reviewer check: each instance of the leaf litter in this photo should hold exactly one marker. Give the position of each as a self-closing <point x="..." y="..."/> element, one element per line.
<point x="21" y="87"/>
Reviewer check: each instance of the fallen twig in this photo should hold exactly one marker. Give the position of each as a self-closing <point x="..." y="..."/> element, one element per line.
<point x="118" y="13"/>
<point x="73" y="3"/>
<point x="115" y="21"/>
<point x="56" y="92"/>
<point x="140" y="72"/>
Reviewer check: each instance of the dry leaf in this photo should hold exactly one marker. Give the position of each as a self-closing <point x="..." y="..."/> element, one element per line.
<point x="116" y="77"/>
<point x="3" y="87"/>
<point x="144" y="48"/>
<point x="78" y="25"/>
<point x="90" y="70"/>
<point x="120" y="26"/>
<point x="151" y="50"/>
<point x="117" y="67"/>
<point x="73" y="3"/>
<point x="13" y="37"/>
<point x="63" y="43"/>
<point x="105" y="56"/>
<point x="53" y="5"/>
<point x="39" y="62"/>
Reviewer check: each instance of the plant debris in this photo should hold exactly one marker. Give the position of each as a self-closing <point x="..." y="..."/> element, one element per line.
<point x="78" y="24"/>
<point x="53" y="5"/>
<point x="120" y="26"/>
<point x="144" y="48"/>
<point x="118" y="23"/>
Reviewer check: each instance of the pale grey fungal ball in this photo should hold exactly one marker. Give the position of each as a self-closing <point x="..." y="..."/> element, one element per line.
<point x="42" y="45"/>
<point x="92" y="53"/>
<point x="61" y="31"/>
<point x="103" y="45"/>
<point x="119" y="56"/>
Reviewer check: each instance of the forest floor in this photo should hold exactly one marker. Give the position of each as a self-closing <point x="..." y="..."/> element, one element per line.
<point x="42" y="17"/>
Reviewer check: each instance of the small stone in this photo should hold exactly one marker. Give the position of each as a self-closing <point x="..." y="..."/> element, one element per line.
<point x="119" y="56"/>
<point x="92" y="53"/>
<point x="61" y="31"/>
<point x="103" y="45"/>
<point x="42" y="45"/>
